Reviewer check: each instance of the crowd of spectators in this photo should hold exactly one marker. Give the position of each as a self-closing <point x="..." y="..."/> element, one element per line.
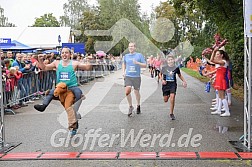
<point x="24" y="82"/>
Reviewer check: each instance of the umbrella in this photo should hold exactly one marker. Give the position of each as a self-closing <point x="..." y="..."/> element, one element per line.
<point x="100" y="53"/>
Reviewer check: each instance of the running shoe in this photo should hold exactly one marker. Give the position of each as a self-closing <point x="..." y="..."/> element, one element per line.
<point x="138" y="109"/>
<point x="40" y="107"/>
<point x="172" y="117"/>
<point x="73" y="132"/>
<point x="131" y="108"/>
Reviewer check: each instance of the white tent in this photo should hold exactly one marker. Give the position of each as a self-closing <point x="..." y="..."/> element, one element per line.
<point x="37" y="37"/>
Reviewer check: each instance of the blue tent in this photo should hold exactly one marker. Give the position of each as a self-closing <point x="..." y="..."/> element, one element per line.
<point x="15" y="45"/>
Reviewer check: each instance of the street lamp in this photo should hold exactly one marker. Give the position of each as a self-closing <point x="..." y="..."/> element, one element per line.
<point x="59" y="39"/>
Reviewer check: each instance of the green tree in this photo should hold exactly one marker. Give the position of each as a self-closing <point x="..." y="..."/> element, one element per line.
<point x="111" y="11"/>
<point x="47" y="20"/>
<point x="166" y="10"/>
<point x="89" y="21"/>
<point x="195" y="26"/>
<point x="227" y="16"/>
<point x="4" y="20"/>
<point x="73" y="13"/>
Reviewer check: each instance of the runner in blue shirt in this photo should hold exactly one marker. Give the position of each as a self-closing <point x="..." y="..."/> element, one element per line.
<point x="131" y="67"/>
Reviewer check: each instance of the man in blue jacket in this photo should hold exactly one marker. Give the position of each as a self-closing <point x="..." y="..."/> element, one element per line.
<point x="23" y="68"/>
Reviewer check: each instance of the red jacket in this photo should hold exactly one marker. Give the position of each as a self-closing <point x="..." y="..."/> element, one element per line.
<point x="13" y="78"/>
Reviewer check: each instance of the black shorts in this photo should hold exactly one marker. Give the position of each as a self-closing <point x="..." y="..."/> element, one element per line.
<point x="157" y="72"/>
<point x="133" y="81"/>
<point x="170" y="87"/>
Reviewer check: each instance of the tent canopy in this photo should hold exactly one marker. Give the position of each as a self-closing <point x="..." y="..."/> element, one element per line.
<point x="38" y="37"/>
<point x="15" y="45"/>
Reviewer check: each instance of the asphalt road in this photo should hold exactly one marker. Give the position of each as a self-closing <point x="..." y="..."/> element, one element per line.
<point x="104" y="114"/>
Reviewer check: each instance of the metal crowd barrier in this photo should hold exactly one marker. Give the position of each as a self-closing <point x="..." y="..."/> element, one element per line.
<point x="30" y="86"/>
<point x="98" y="70"/>
<point x="33" y="85"/>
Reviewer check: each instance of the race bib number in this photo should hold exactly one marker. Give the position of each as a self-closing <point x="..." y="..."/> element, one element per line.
<point x="170" y="76"/>
<point x="64" y="76"/>
<point x="132" y="69"/>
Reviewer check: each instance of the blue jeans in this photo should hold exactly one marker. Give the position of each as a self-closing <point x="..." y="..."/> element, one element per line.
<point x="77" y="93"/>
<point x="22" y="90"/>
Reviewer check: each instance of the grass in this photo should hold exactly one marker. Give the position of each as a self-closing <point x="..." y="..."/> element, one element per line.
<point x="195" y="74"/>
<point x="237" y="91"/>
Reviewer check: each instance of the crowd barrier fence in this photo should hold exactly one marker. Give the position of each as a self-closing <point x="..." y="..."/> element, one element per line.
<point x="33" y="85"/>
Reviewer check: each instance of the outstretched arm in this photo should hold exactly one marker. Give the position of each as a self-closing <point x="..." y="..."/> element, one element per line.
<point x="207" y="59"/>
<point x="209" y="73"/>
<point x="43" y="66"/>
<point x="86" y="67"/>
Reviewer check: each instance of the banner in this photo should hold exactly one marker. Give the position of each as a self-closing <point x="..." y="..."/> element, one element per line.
<point x="248" y="18"/>
<point x="5" y="40"/>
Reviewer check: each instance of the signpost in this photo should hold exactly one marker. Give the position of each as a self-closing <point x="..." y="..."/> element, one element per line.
<point x="4" y="146"/>
<point x="247" y="72"/>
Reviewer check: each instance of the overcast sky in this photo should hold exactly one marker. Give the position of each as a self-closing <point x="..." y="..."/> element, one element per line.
<point x="22" y="13"/>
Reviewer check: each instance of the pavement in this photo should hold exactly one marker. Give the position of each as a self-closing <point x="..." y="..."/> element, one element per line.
<point x="199" y="138"/>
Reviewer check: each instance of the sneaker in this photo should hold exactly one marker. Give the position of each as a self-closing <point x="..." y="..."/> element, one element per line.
<point x="73" y="132"/>
<point x="214" y="102"/>
<point x="172" y="116"/>
<point x="36" y="98"/>
<point x="138" y="109"/>
<point x="131" y="108"/>
<point x="83" y="97"/>
<point x="216" y="112"/>
<point x="213" y="108"/>
<point x="40" y="107"/>
<point x="26" y="102"/>
<point x="226" y="114"/>
<point x="78" y="115"/>
<point x="30" y="101"/>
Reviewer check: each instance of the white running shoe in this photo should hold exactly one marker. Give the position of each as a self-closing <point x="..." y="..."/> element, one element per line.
<point x="214" y="102"/>
<point x="226" y="114"/>
<point x="30" y="101"/>
<point x="78" y="115"/>
<point x="216" y="112"/>
<point x="131" y="108"/>
<point x="213" y="108"/>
